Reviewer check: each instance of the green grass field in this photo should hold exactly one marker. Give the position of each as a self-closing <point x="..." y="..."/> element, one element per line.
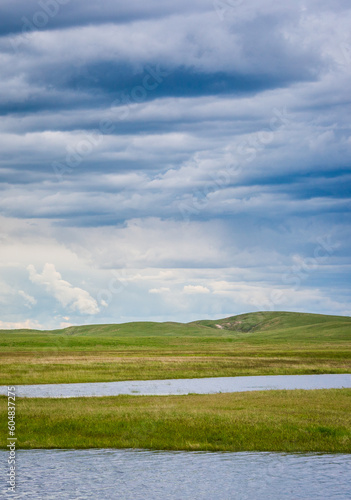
<point x="249" y="344"/>
<point x="289" y="421"/>
<point x="266" y="343"/>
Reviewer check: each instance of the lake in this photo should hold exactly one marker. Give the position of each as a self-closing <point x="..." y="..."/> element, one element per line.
<point x="153" y="475"/>
<point x="184" y="386"/>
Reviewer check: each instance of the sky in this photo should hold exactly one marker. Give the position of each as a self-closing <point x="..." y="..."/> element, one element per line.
<point x="174" y="160"/>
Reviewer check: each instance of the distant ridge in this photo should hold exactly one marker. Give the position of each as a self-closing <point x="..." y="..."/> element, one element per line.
<point x="267" y="320"/>
<point x="250" y="325"/>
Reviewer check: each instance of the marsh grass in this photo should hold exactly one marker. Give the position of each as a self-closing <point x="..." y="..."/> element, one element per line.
<point x="290" y="421"/>
<point x="253" y="344"/>
<point x="29" y="368"/>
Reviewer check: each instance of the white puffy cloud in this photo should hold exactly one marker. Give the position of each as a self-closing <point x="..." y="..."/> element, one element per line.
<point x="26" y="324"/>
<point x="68" y="295"/>
<point x="161" y="290"/>
<point x="195" y="289"/>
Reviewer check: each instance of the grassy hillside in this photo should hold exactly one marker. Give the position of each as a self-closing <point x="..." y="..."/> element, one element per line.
<point x="255" y="343"/>
<point x="283" y="326"/>
<point x="267" y="320"/>
<point x="253" y="327"/>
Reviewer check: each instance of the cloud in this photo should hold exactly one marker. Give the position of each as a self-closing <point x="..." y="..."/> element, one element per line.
<point x="29" y="300"/>
<point x="65" y="324"/>
<point x="28" y="15"/>
<point x="27" y="324"/>
<point x="195" y="289"/>
<point x="226" y="152"/>
<point x="69" y="296"/>
<point x="160" y="290"/>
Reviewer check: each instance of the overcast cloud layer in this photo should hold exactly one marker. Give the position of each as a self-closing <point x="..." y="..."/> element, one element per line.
<point x="173" y="160"/>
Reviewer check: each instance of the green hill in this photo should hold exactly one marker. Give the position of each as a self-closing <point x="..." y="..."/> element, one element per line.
<point x="284" y="326"/>
<point x="248" y="344"/>
<point x="251" y="327"/>
<point x="261" y="321"/>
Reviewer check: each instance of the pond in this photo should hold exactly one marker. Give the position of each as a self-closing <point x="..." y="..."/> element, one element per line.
<point x="155" y="475"/>
<point x="184" y="386"/>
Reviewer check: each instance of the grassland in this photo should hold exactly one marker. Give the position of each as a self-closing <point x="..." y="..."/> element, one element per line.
<point x="289" y="421"/>
<point x="266" y="343"/>
<point x="251" y="344"/>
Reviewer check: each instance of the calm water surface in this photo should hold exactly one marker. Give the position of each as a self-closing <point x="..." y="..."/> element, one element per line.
<point x="184" y="386"/>
<point x="152" y="475"/>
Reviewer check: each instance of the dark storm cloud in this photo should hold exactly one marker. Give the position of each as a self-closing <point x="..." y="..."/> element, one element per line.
<point x="27" y="15"/>
<point x="196" y="135"/>
<point x="73" y="79"/>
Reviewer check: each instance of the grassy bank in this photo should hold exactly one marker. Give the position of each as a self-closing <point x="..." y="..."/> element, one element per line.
<point x="291" y="421"/>
<point x="25" y="368"/>
<point x="251" y="344"/>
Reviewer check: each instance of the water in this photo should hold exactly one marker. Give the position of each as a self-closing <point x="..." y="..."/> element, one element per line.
<point x="184" y="386"/>
<point x="153" y="475"/>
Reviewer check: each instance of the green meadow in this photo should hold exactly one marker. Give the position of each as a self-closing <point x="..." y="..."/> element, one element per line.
<point x="263" y="343"/>
<point x="289" y="421"/>
<point x="250" y="344"/>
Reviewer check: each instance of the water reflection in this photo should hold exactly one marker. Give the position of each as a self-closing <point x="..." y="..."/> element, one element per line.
<point x="184" y="386"/>
<point x="144" y="475"/>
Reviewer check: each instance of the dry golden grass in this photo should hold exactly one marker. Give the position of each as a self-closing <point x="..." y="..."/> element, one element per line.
<point x="66" y="367"/>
